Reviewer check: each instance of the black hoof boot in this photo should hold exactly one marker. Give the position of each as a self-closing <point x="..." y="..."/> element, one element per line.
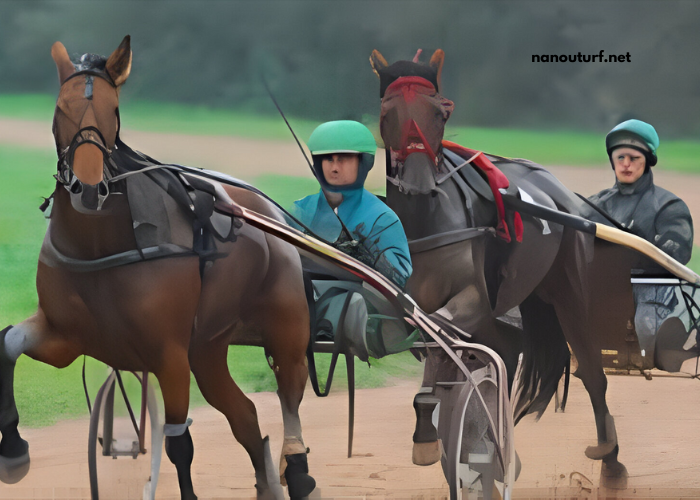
<point x="299" y="483"/>
<point x="14" y="457"/>
<point x="180" y="451"/>
<point x="426" y="448"/>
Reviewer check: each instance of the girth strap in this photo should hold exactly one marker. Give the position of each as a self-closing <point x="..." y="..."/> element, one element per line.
<point x="443" y="239"/>
<point x="52" y="257"/>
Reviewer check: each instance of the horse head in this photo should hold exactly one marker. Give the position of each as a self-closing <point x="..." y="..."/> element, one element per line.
<point x="86" y="119"/>
<point x="413" y="118"/>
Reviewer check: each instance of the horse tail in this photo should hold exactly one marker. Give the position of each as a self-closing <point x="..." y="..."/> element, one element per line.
<point x="545" y="357"/>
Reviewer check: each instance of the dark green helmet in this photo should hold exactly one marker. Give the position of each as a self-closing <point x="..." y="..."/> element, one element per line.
<point x="634" y="134"/>
<point x="343" y="136"/>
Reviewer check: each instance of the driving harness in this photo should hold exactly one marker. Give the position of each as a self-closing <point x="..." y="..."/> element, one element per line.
<point x="172" y="206"/>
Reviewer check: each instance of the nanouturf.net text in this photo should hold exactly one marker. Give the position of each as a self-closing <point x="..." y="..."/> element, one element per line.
<point x="600" y="57"/>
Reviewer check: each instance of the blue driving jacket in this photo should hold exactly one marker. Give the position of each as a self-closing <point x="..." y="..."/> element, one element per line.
<point x="373" y="224"/>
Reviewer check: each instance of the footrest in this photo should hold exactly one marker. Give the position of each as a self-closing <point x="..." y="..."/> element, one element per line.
<point x="125" y="448"/>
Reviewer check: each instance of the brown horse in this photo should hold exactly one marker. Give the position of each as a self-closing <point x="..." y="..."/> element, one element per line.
<point x="474" y="259"/>
<point x="165" y="315"/>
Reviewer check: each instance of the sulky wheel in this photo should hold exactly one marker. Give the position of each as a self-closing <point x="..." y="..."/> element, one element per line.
<point x="115" y="436"/>
<point x="470" y="456"/>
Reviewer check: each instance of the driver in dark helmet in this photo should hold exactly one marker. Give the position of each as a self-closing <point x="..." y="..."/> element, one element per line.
<point x="644" y="208"/>
<point x="652" y="213"/>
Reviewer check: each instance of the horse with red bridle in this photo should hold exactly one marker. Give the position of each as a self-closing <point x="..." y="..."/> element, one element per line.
<point x="475" y="258"/>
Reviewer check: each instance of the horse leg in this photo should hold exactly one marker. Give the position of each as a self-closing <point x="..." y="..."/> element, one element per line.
<point x="174" y="380"/>
<point x="291" y="373"/>
<point x="32" y="337"/>
<point x="208" y="363"/>
<point x="590" y="370"/>
<point x="14" y="451"/>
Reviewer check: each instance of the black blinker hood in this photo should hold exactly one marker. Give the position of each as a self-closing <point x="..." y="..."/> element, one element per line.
<point x="388" y="75"/>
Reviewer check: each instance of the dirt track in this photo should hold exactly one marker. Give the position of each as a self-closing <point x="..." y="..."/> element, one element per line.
<point x="658" y="421"/>
<point x="658" y="425"/>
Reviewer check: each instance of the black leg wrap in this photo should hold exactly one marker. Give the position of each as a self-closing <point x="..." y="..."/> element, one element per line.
<point x="299" y="483"/>
<point x="424" y="405"/>
<point x="180" y="451"/>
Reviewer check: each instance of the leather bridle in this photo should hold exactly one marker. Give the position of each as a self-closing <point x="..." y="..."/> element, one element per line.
<point x="87" y="198"/>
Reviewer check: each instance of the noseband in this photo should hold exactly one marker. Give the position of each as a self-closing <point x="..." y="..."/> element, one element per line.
<point x="87" y="198"/>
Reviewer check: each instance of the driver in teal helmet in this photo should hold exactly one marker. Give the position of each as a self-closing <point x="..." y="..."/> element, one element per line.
<point x="343" y="154"/>
<point x="652" y="213"/>
<point x="645" y="209"/>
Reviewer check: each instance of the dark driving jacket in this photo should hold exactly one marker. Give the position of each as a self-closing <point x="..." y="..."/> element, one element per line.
<point x="652" y="213"/>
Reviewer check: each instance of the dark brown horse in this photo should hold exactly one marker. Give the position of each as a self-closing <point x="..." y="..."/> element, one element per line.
<point x="166" y="315"/>
<point x="474" y="259"/>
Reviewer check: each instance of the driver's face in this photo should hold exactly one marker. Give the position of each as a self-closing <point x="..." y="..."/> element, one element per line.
<point x="340" y="169"/>
<point x="629" y="164"/>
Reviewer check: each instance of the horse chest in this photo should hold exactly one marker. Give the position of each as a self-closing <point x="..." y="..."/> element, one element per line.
<point x="90" y="237"/>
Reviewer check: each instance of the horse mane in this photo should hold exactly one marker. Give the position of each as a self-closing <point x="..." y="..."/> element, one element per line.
<point x="91" y="62"/>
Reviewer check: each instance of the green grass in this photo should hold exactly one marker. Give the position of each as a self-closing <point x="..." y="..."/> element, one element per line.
<point x="542" y="146"/>
<point x="566" y="148"/>
<point x="45" y="394"/>
<point x="168" y="117"/>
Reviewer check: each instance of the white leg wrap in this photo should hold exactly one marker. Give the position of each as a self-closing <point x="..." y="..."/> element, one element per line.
<point x="17" y="340"/>
<point x="173" y="430"/>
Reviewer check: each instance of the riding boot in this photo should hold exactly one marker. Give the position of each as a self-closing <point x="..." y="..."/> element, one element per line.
<point x="180" y="451"/>
<point x="299" y="483"/>
<point x="14" y="451"/>
<point x="426" y="447"/>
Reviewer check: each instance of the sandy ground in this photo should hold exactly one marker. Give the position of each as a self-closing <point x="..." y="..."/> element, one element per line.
<point x="658" y="425"/>
<point x="658" y="421"/>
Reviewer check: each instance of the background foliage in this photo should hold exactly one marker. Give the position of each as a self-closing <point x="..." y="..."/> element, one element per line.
<point x="315" y="54"/>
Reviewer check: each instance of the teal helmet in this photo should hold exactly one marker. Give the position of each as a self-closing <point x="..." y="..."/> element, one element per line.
<point x="634" y="134"/>
<point x="343" y="136"/>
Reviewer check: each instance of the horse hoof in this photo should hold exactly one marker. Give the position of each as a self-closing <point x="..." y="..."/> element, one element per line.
<point x="13" y="470"/>
<point x="613" y="475"/>
<point x="299" y="482"/>
<point x="426" y="453"/>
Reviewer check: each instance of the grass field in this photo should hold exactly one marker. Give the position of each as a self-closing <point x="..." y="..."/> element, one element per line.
<point x="548" y="147"/>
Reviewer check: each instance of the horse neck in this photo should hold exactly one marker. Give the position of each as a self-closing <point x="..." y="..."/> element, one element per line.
<point x="91" y="237"/>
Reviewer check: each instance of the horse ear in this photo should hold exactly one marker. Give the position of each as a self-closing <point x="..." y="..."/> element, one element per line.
<point x="377" y="61"/>
<point x="436" y="62"/>
<point x="119" y="63"/>
<point x="63" y="64"/>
